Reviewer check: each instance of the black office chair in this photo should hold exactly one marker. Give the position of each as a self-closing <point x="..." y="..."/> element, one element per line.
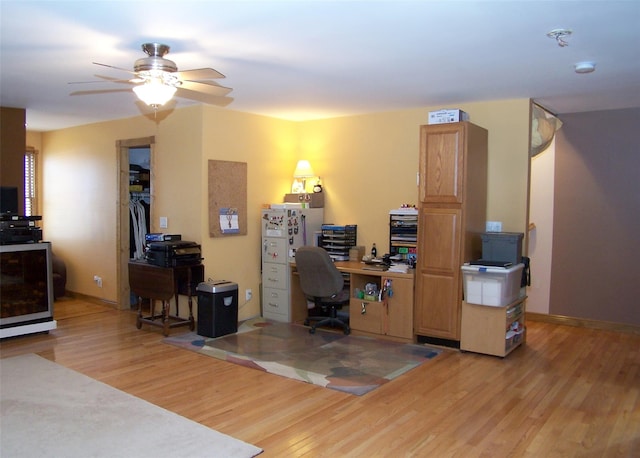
<point x="322" y="283"/>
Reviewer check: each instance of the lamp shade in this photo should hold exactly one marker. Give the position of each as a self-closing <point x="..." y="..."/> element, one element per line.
<point x="303" y="170"/>
<point x="154" y="92"/>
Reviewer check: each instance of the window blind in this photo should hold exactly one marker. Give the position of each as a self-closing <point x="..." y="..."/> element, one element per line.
<point x="30" y="207"/>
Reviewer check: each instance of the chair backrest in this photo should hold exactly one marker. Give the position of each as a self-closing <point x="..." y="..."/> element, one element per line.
<point x="319" y="277"/>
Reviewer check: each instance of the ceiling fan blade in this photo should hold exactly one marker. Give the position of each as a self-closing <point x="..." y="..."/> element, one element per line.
<point x="99" y="91"/>
<point x="111" y="66"/>
<point x="108" y="78"/>
<point x="199" y="74"/>
<point x="120" y="80"/>
<point x="85" y="82"/>
<point x="209" y="87"/>
<point x="204" y="98"/>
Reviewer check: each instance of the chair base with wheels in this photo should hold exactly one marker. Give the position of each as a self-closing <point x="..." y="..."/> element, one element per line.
<point x="322" y="283"/>
<point x="333" y="320"/>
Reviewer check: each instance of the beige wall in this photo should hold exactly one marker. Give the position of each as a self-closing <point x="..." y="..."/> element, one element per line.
<point x="79" y="204"/>
<point x="369" y="163"/>
<point x="34" y="140"/>
<point x="368" y="166"/>
<point x="268" y="146"/>
<point x="508" y="125"/>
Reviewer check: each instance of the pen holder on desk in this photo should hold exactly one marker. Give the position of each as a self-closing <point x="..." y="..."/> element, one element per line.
<point x="371" y="292"/>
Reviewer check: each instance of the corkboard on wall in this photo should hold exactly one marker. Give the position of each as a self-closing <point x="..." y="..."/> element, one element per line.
<point x="227" y="198"/>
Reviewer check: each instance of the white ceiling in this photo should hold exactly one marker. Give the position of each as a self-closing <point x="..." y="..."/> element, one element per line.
<point x="313" y="59"/>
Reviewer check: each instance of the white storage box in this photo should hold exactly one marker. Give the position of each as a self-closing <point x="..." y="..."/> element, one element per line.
<point x="493" y="286"/>
<point x="447" y="116"/>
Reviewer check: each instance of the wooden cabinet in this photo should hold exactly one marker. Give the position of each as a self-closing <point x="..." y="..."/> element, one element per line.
<point x="452" y="214"/>
<point x="493" y="330"/>
<point x="12" y="148"/>
<point x="392" y="316"/>
<point x="442" y="155"/>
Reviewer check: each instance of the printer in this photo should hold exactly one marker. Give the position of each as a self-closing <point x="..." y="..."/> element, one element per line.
<point x="173" y="253"/>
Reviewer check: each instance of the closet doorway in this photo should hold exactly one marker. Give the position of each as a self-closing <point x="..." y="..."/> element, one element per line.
<point x="135" y="207"/>
<point x="139" y="200"/>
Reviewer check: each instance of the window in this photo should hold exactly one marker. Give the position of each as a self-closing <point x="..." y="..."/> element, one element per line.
<point x="30" y="202"/>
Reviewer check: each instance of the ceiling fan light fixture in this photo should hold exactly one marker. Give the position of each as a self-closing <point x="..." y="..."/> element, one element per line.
<point x="154" y="92"/>
<point x="155" y="59"/>
<point x="156" y="80"/>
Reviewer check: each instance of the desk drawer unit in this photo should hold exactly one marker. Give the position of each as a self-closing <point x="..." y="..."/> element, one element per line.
<point x="392" y="316"/>
<point x="366" y="315"/>
<point x="275" y="250"/>
<point x="275" y="304"/>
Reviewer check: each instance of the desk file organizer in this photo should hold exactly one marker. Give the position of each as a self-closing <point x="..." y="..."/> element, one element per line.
<point x="338" y="240"/>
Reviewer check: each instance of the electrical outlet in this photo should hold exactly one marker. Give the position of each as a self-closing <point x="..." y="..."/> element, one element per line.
<point x="164" y="222"/>
<point x="97" y="280"/>
<point x="248" y="294"/>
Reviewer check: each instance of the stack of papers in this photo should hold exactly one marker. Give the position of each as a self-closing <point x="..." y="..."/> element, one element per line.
<point x="404" y="211"/>
<point x="401" y="268"/>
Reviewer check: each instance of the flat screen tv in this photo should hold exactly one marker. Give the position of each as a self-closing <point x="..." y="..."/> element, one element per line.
<point x="8" y="200"/>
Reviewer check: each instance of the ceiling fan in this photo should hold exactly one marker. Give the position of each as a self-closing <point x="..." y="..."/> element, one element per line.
<point x="157" y="79"/>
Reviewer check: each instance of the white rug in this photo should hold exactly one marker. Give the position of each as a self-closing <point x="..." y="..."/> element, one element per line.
<point x="47" y="410"/>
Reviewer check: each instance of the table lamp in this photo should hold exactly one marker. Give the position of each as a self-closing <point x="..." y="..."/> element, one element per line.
<point x="303" y="171"/>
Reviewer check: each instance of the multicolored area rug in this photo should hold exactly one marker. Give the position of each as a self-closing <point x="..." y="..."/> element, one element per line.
<point x="351" y="364"/>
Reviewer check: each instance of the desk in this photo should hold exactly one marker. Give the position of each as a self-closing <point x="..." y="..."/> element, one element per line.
<point x="163" y="283"/>
<point x="390" y="318"/>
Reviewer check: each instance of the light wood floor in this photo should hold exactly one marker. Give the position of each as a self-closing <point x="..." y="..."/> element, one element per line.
<point x="569" y="392"/>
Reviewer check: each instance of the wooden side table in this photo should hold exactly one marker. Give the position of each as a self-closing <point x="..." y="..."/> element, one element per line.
<point x="162" y="283"/>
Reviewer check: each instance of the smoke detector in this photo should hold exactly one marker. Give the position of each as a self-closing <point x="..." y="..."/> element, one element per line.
<point x="585" y="67"/>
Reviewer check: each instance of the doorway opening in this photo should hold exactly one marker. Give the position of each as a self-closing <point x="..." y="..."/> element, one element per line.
<point x="135" y="208"/>
<point x="139" y="200"/>
<point x="544" y="125"/>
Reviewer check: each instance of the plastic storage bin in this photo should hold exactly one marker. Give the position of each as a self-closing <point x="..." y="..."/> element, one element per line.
<point x="217" y="308"/>
<point x="502" y="246"/>
<point x="493" y="286"/>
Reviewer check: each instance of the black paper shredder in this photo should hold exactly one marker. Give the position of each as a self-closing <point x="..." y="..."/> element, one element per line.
<point x="217" y="308"/>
